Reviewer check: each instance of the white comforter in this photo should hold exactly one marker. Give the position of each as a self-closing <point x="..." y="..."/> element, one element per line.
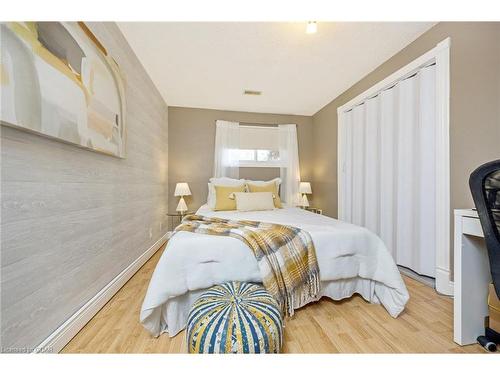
<point x="351" y="260"/>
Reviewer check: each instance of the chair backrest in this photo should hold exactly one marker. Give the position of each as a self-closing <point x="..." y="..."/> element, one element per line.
<point x="484" y="183"/>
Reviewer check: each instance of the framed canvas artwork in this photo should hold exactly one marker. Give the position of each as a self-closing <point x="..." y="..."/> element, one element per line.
<point x="57" y="80"/>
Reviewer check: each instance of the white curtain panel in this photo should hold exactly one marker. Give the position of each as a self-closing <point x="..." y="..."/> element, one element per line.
<point x="227" y="144"/>
<point x="389" y="176"/>
<point x="290" y="167"/>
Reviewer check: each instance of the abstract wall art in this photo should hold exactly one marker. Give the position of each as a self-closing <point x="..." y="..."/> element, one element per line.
<point x="58" y="80"/>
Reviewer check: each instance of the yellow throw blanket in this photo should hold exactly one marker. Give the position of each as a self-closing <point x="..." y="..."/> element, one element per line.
<point x="285" y="255"/>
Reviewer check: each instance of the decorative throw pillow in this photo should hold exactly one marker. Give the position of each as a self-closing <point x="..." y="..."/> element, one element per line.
<point x="271" y="187"/>
<point x="254" y="201"/>
<point x="222" y="181"/>
<point x="224" y="197"/>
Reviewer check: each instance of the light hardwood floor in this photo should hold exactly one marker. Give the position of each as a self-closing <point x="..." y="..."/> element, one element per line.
<point x="348" y="326"/>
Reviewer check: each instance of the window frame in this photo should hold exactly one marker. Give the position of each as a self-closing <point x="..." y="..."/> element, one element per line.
<point x="256" y="163"/>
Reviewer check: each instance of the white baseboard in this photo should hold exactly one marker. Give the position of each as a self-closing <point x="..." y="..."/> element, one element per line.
<point x="451" y="288"/>
<point x="62" y="335"/>
<point x="443" y="283"/>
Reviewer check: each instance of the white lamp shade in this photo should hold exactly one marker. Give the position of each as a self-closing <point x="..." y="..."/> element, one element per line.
<point x="305" y="188"/>
<point x="182" y="207"/>
<point x="304" y="202"/>
<point x="182" y="189"/>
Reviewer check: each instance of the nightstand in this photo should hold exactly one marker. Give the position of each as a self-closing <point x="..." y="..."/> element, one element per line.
<point x="175" y="219"/>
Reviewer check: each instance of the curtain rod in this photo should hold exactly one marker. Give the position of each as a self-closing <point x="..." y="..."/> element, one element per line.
<point x="258" y="124"/>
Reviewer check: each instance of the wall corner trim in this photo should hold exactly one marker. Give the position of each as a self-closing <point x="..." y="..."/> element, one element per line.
<point x="66" y="331"/>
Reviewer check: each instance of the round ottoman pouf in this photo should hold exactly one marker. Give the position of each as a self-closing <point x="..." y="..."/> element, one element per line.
<point x="235" y="317"/>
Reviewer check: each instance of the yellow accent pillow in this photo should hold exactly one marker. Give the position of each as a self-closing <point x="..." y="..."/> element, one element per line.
<point x="271" y="187"/>
<point x="224" y="197"/>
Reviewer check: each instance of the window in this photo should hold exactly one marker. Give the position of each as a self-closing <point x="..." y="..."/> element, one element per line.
<point x="259" y="158"/>
<point x="259" y="146"/>
<point x="268" y="155"/>
<point x="247" y="155"/>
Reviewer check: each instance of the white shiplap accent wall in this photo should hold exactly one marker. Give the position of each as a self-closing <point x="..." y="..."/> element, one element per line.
<point x="72" y="219"/>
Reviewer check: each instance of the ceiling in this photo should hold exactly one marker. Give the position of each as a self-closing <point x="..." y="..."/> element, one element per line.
<point x="210" y="64"/>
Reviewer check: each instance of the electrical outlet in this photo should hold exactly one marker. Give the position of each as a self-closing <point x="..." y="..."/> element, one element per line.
<point x="150" y="233"/>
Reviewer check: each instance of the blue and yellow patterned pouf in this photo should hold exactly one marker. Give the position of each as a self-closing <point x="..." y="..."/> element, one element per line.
<point x="235" y="317"/>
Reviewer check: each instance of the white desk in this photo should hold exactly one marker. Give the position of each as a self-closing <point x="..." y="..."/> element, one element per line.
<point x="472" y="276"/>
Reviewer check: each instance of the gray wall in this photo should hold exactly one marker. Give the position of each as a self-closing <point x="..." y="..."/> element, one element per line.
<point x="192" y="143"/>
<point x="474" y="107"/>
<point x="73" y="219"/>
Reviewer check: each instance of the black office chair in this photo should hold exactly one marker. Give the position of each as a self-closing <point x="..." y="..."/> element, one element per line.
<point x="484" y="184"/>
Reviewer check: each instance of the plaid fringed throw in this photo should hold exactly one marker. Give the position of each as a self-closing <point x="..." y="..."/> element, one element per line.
<point x="285" y="255"/>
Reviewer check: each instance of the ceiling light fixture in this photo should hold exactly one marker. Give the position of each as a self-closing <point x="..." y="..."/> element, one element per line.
<point x="311" y="27"/>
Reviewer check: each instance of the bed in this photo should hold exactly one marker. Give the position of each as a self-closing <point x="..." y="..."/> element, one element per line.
<point x="351" y="260"/>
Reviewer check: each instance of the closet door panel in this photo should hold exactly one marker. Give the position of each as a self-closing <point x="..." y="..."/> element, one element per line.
<point x="388" y="167"/>
<point x="406" y="241"/>
<point x="347" y="132"/>
<point x="372" y="164"/>
<point x="358" y="165"/>
<point x="426" y="194"/>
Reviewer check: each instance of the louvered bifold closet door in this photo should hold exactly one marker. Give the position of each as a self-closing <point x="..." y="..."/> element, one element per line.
<point x="389" y="163"/>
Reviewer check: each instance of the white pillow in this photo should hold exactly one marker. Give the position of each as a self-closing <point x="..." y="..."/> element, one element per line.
<point x="276" y="180"/>
<point x="220" y="181"/>
<point x="254" y="201"/>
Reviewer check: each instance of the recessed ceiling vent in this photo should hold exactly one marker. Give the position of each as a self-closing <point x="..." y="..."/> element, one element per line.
<point x="252" y="92"/>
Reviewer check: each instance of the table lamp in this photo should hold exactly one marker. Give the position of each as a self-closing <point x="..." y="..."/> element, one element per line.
<point x="182" y="190"/>
<point x="305" y="188"/>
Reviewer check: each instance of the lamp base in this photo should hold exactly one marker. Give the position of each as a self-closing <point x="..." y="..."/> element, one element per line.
<point x="304" y="202"/>
<point x="182" y="206"/>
